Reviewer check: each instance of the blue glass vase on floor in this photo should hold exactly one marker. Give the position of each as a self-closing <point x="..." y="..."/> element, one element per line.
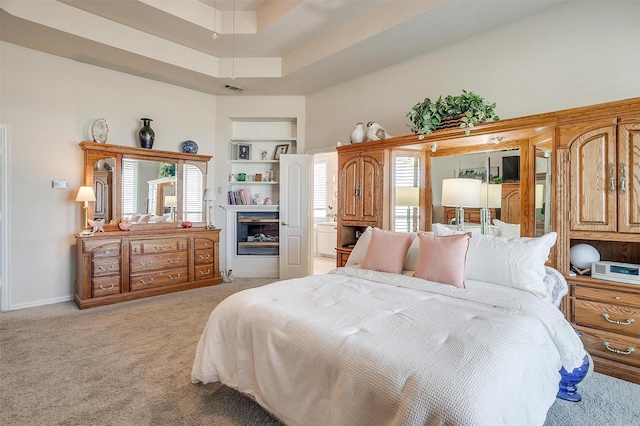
<point x="568" y="386"/>
<point x="146" y="134"/>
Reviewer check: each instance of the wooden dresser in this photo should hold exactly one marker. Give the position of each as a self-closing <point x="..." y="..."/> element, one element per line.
<point x="597" y="196"/>
<point x="117" y="266"/>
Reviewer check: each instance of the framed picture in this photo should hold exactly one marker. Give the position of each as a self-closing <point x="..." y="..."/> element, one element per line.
<point x="280" y="149"/>
<point x="244" y="151"/>
<point x="480" y="173"/>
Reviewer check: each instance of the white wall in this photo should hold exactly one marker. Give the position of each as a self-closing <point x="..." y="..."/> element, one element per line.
<point x="577" y="54"/>
<point x="49" y="104"/>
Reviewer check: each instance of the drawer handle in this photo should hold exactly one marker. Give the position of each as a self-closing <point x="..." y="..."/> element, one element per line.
<point x="147" y="282"/>
<point x="174" y="261"/>
<point x="204" y="257"/>
<point x="163" y="247"/>
<point x="171" y="277"/>
<point x="629" y="351"/>
<point x="103" y="288"/>
<point x="207" y="272"/>
<point x="146" y="265"/>
<point x="205" y="244"/>
<point x="104" y="268"/>
<point x="627" y="322"/>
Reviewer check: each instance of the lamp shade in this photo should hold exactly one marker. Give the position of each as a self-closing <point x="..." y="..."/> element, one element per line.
<point x="407" y="196"/>
<point x="459" y="192"/>
<point x="170" y="201"/>
<point x="539" y="196"/>
<point x="491" y="195"/>
<point x="209" y="194"/>
<point x="86" y="193"/>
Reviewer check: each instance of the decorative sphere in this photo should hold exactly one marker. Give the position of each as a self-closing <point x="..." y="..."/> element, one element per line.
<point x="583" y="255"/>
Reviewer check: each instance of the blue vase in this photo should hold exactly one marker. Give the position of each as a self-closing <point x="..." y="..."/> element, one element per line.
<point x="568" y="386"/>
<point x="146" y="134"/>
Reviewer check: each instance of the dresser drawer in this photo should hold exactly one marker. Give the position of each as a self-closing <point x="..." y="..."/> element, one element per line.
<point x="608" y="296"/>
<point x="611" y="346"/>
<point x="153" y="262"/>
<point x="105" y="286"/>
<point x="203" y="243"/>
<point x="204" y="272"/>
<point x="158" y="246"/>
<point x="204" y="257"/>
<point x="159" y="278"/>
<point x="603" y="316"/>
<point x="101" y="247"/>
<point x="102" y="266"/>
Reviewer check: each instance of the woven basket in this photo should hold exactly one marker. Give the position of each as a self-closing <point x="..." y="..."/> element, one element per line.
<point x="449" y="122"/>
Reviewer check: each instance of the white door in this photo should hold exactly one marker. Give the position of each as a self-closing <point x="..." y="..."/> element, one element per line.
<point x="295" y="171"/>
<point x="4" y="237"/>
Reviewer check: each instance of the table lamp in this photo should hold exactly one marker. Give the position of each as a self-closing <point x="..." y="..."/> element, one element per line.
<point x="86" y="194"/>
<point x="460" y="193"/>
<point x="171" y="201"/>
<point x="210" y="197"/>
<point x="490" y="198"/>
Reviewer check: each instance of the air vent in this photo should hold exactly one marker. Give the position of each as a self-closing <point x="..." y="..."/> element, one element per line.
<point x="232" y="88"/>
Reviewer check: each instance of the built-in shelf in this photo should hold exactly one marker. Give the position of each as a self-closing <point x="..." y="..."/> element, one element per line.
<point x="253" y="161"/>
<point x="253" y="182"/>
<point x="250" y="207"/>
<point x="258" y="244"/>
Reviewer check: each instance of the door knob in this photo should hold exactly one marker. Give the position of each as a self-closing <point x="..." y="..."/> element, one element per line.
<point x="283" y="223"/>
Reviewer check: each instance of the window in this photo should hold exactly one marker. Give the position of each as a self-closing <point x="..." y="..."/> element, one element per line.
<point x="129" y="189"/>
<point x="406" y="175"/>
<point x="193" y="193"/>
<point x="320" y="189"/>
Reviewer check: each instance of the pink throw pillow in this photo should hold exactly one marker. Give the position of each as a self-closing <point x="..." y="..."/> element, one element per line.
<point x="442" y="258"/>
<point x="387" y="251"/>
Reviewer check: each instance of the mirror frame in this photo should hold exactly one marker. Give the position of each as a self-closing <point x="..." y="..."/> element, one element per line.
<point x="94" y="151"/>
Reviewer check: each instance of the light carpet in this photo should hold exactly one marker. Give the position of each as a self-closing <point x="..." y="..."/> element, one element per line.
<point x="130" y="364"/>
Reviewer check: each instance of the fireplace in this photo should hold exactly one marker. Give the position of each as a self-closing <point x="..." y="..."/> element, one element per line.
<point x="257" y="234"/>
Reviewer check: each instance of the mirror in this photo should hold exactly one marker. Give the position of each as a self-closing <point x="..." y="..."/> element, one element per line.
<point x="153" y="189"/>
<point x="501" y="196"/>
<point x="103" y="185"/>
<point x="406" y="191"/>
<point x="193" y="188"/>
<point x="149" y="193"/>
<point x="543" y="191"/>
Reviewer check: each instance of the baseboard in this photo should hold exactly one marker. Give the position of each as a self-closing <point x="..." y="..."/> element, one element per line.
<point x="40" y="303"/>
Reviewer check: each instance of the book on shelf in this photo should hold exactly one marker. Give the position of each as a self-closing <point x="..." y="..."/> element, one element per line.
<point x="239" y="197"/>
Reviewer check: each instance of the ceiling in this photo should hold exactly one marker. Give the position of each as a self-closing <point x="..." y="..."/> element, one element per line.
<point x="266" y="47"/>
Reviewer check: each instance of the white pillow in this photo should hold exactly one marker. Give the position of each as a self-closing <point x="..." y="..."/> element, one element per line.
<point x="362" y="245"/>
<point x="411" y="261"/>
<point x="517" y="263"/>
<point x="507" y="230"/>
<point x="441" y="230"/>
<point x="360" y="249"/>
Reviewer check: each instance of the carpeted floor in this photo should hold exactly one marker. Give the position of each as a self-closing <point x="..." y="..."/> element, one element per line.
<point x="130" y="364"/>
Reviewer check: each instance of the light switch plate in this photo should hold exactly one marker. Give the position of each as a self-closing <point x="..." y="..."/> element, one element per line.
<point x="59" y="184"/>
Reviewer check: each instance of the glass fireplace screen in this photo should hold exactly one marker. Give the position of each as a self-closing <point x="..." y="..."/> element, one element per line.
<point x="258" y="234"/>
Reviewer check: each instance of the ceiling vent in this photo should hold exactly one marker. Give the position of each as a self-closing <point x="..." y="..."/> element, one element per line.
<point x="232" y="88"/>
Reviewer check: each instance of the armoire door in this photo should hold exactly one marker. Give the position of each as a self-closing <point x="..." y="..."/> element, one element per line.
<point x="629" y="178"/>
<point x="349" y="187"/>
<point x="593" y="179"/>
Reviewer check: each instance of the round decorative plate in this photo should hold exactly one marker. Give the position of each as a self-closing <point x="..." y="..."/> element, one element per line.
<point x="100" y="130"/>
<point x="189" y="147"/>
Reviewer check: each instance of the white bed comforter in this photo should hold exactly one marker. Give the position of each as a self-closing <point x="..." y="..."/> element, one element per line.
<point x="358" y="347"/>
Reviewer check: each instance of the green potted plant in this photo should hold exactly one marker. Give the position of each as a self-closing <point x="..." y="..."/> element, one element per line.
<point x="462" y="111"/>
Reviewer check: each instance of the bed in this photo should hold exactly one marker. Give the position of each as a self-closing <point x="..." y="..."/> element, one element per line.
<point x="360" y="346"/>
